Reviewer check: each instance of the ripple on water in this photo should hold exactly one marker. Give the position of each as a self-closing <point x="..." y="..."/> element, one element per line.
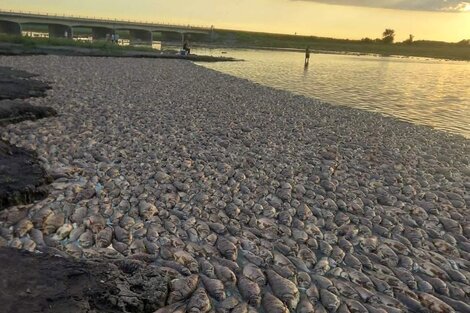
<point x="428" y="92"/>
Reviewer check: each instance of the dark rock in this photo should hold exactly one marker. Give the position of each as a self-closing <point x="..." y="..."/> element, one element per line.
<point x="14" y="111"/>
<point x="19" y="85"/>
<point x="22" y="179"/>
<point x="47" y="283"/>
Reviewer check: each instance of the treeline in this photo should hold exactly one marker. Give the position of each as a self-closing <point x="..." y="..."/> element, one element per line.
<point x="383" y="46"/>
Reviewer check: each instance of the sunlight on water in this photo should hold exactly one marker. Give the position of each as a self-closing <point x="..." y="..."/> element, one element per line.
<point x="428" y="92"/>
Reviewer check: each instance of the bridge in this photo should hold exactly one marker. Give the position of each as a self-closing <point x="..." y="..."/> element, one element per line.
<point x="63" y="26"/>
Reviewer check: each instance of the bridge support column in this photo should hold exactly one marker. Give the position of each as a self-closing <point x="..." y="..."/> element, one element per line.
<point x="60" y="31"/>
<point x="141" y="37"/>
<point x="99" y="33"/>
<point x="10" y="28"/>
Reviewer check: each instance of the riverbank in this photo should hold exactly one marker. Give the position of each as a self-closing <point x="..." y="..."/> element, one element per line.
<point x="271" y="199"/>
<point x="419" y="48"/>
<point x="103" y="50"/>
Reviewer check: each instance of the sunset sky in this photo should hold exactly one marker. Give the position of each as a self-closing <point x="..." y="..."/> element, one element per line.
<point x="447" y="20"/>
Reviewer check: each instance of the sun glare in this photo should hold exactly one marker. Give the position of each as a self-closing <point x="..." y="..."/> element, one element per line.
<point x="466" y="7"/>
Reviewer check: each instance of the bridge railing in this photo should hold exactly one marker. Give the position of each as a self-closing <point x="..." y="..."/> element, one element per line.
<point x="103" y="19"/>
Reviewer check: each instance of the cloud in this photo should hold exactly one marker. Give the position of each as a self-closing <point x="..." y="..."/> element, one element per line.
<point x="419" y="5"/>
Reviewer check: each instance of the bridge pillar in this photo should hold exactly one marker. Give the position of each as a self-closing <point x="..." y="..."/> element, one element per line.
<point x="60" y="31"/>
<point x="99" y="33"/>
<point x="141" y="37"/>
<point x="10" y="28"/>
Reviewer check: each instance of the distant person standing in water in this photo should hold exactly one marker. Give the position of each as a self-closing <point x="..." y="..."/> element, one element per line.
<point x="307" y="56"/>
<point x="186" y="48"/>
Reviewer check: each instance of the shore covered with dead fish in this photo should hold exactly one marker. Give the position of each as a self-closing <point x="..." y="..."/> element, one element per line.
<point x="257" y="200"/>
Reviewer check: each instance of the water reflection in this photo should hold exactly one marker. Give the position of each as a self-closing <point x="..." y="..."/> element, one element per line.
<point x="422" y="91"/>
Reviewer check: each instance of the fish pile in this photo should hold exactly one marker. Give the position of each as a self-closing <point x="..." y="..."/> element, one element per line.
<point x="253" y="199"/>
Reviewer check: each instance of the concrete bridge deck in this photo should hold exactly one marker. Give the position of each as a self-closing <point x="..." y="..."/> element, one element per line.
<point x="63" y="26"/>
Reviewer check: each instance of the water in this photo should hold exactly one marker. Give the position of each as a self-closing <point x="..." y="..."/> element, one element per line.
<point x="422" y="91"/>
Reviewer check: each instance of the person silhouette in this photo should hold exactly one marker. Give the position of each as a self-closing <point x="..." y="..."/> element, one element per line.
<point x="307" y="56"/>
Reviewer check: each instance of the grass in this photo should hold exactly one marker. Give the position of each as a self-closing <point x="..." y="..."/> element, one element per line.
<point x="31" y="43"/>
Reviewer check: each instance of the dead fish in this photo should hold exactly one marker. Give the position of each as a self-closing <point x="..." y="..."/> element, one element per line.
<point x="37" y="236"/>
<point x="355" y="306"/>
<point x="306" y="255"/>
<point x="285" y="272"/>
<point x="337" y="254"/>
<point x="411" y="303"/>
<point x="52" y="223"/>
<point x="187" y="260"/>
<point x="242" y="307"/>
<point x="123" y="235"/>
<point x="227" y="248"/>
<point x="249" y="290"/>
<point x="374" y="309"/>
<point x="351" y="261"/>
<point x="343" y="308"/>
<point x="120" y="247"/>
<point x="176" y="266"/>
<point x="305" y="305"/>
<point x="251" y="257"/>
<point x="206" y="268"/>
<point x="104" y="237"/>
<point x="329" y="300"/>
<point x="322" y="266"/>
<point x="303" y="280"/>
<point x="438" y="285"/>
<point x="284" y="289"/>
<point x="272" y="304"/>
<point x="76" y="233"/>
<point x="313" y="294"/>
<point x="28" y="244"/>
<point x="299" y="264"/>
<point x="226" y="275"/>
<point x="79" y="215"/>
<point x="233" y="266"/>
<point x="345" y="288"/>
<point x="406" y="277"/>
<point x="23" y="227"/>
<point x="147" y="210"/>
<point x="199" y="302"/>
<point x="182" y="288"/>
<point x="95" y="222"/>
<point x="63" y="232"/>
<point x="87" y="239"/>
<point x="227" y="305"/>
<point x="215" y="287"/>
<point x="434" y="304"/>
<point x="459" y="306"/>
<point x="254" y="273"/>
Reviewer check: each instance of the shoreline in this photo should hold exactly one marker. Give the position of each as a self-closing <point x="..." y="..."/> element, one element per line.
<point x="9" y="49"/>
<point x="214" y="170"/>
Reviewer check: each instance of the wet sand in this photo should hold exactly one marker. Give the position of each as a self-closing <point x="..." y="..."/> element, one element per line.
<point x="261" y="200"/>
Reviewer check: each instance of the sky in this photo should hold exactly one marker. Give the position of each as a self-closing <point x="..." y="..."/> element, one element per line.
<point x="446" y="20"/>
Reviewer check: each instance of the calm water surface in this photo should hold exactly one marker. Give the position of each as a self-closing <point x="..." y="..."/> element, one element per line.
<point x="422" y="91"/>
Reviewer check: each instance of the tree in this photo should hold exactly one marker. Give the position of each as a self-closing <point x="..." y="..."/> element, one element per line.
<point x="388" y="36"/>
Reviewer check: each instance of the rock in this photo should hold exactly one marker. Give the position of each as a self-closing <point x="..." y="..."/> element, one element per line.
<point x="76" y="286"/>
<point x="22" y="178"/>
